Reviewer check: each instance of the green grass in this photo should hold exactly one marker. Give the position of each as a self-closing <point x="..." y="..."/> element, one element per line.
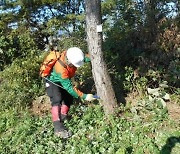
<point x="21" y="132"/>
<point x="143" y="128"/>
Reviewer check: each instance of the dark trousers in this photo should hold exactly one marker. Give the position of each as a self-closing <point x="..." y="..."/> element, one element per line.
<point x="58" y="95"/>
<point x="60" y="102"/>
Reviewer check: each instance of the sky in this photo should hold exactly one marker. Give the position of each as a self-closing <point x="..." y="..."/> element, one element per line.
<point x="171" y="6"/>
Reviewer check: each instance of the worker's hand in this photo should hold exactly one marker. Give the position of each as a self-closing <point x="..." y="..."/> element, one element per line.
<point x="90" y="97"/>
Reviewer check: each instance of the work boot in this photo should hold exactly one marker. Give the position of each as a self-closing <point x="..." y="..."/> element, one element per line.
<point x="60" y="130"/>
<point x="64" y="117"/>
<point x="63" y="134"/>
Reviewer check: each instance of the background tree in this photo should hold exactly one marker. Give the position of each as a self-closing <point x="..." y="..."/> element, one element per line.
<point x="38" y="20"/>
<point x="99" y="69"/>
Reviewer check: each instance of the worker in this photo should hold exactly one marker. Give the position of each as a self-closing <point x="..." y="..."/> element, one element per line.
<point x="60" y="89"/>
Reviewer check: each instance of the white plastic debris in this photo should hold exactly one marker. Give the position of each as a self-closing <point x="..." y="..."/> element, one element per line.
<point x="154" y="92"/>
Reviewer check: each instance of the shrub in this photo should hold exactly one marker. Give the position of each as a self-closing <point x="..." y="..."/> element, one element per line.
<point x="20" y="82"/>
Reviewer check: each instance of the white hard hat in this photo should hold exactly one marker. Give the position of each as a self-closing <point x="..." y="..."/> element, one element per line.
<point x="75" y="56"/>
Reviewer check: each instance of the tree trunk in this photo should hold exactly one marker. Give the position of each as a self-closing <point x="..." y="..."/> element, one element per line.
<point x="99" y="68"/>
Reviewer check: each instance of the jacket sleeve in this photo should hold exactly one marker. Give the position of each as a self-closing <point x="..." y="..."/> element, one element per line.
<point x="67" y="85"/>
<point x="87" y="58"/>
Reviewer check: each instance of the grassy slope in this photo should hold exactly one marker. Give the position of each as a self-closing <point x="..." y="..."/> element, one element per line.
<point x="20" y="132"/>
<point x="145" y="128"/>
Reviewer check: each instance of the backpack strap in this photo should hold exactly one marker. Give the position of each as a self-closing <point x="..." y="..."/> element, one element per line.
<point x="61" y="62"/>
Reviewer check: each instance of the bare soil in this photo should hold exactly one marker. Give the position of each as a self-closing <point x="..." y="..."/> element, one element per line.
<point x="174" y="111"/>
<point x="41" y="106"/>
<point x="173" y="108"/>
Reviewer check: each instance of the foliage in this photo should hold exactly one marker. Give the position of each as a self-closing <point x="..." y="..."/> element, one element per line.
<point x="16" y="45"/>
<point x="140" y="36"/>
<point x="28" y="24"/>
<point x="174" y="72"/>
<point x="133" y="84"/>
<point x="146" y="130"/>
<point x="20" y="82"/>
<point x="67" y="42"/>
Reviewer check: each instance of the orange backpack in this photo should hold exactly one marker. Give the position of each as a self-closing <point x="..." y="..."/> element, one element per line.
<point x="48" y="63"/>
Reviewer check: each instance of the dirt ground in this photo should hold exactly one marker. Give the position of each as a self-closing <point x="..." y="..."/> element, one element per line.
<point x="41" y="106"/>
<point x="174" y="111"/>
<point x="173" y="108"/>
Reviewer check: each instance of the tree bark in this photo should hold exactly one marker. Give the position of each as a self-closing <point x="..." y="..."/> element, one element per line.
<point x="100" y="73"/>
